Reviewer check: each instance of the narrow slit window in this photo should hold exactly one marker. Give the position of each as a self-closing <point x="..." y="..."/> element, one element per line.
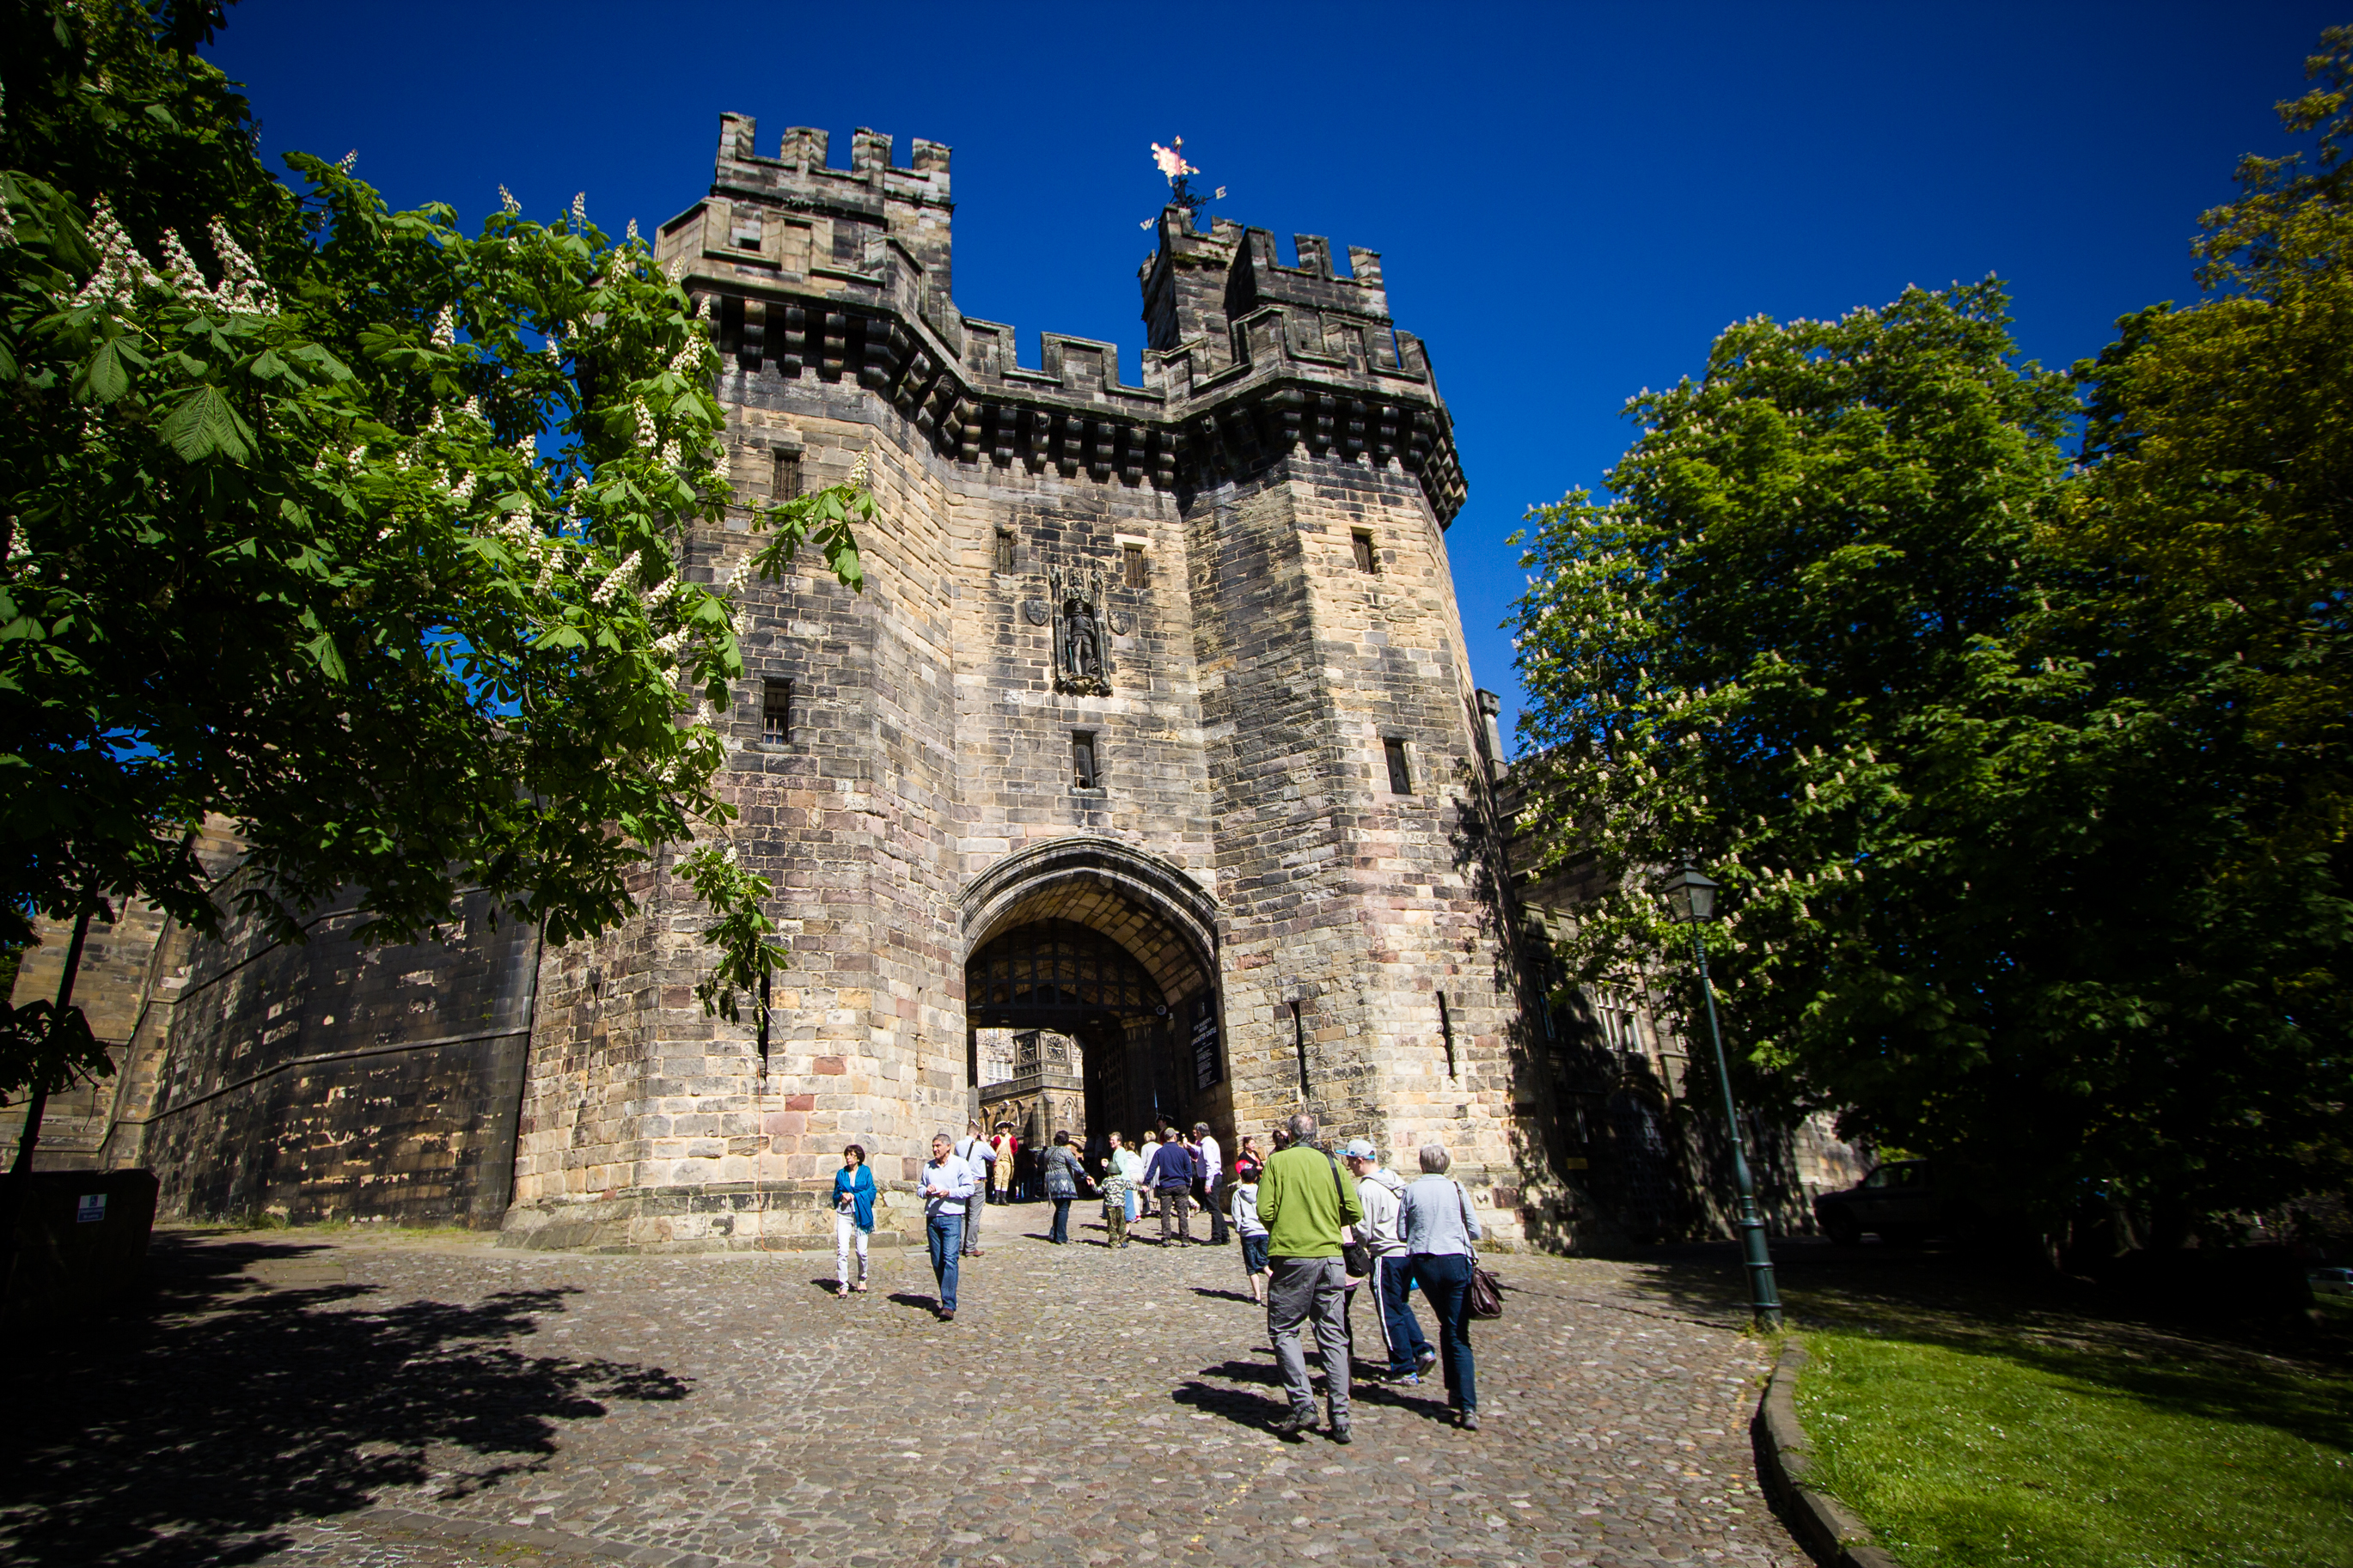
<point x="776" y="713"/>
<point x="1004" y="552"/>
<point x="1085" y="772"/>
<point x="1446" y="1033"/>
<point x="1363" y="543"/>
<point x="1400" y="776"/>
<point x="1299" y="1043"/>
<point x="787" y="482"/>
<point x="1133" y="559"/>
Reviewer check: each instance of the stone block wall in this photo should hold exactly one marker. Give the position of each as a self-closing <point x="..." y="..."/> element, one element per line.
<point x="324" y="1079"/>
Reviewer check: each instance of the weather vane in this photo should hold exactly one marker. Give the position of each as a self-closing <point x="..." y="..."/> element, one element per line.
<point x="1171" y="161"/>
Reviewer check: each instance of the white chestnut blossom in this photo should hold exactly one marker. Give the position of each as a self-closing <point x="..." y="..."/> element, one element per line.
<point x="611" y="587"/>
<point x="121" y="270"/>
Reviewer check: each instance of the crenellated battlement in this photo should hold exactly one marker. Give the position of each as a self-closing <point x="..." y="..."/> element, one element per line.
<point x="845" y="273"/>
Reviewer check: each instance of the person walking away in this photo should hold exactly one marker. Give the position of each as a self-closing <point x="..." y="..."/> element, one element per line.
<point x="1380" y="1191"/>
<point x="1118" y="1189"/>
<point x="1252" y="1230"/>
<point x="1064" y="1176"/>
<point x="1000" y="1168"/>
<point x="1150" y="1147"/>
<point x="1212" y="1188"/>
<point x="1170" y="1176"/>
<point x="946" y="1191"/>
<point x="975" y="1152"/>
<point x="853" y="1219"/>
<point x="1304" y="1200"/>
<point x="1440" y="1231"/>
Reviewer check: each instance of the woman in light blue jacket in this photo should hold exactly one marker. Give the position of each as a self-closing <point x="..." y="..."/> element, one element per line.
<point x="853" y="1217"/>
<point x="1440" y="1232"/>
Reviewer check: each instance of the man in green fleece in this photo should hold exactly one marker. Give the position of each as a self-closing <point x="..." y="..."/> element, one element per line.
<point x="1303" y="1201"/>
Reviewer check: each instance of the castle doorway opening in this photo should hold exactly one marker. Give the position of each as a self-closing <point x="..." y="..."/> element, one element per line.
<point x="1069" y="1032"/>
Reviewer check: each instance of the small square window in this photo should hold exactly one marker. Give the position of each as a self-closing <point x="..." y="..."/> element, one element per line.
<point x="1133" y="561"/>
<point x="1400" y="776"/>
<point x="1004" y="552"/>
<point x="1085" y="774"/>
<point x="776" y="713"/>
<point x="1364" y="547"/>
<point x="787" y="483"/>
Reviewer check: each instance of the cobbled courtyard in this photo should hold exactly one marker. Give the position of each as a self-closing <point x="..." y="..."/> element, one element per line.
<point x="301" y="1397"/>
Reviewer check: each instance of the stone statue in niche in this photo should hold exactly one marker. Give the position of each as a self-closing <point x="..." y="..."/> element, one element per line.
<point x="1082" y="656"/>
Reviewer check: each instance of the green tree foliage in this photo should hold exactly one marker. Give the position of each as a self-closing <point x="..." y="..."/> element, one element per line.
<point x="2026" y="786"/>
<point x="355" y="528"/>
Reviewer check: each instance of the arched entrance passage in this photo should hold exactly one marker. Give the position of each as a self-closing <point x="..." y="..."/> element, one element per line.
<point x="1090" y="993"/>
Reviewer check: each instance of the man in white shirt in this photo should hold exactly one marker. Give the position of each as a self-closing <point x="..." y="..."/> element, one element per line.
<point x="977" y="1157"/>
<point x="1213" y="1181"/>
<point x="946" y="1192"/>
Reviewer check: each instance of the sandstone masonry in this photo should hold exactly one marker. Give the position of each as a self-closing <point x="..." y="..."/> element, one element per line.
<point x="1171" y="667"/>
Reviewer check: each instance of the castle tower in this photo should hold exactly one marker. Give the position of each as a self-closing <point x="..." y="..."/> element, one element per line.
<point x="1146" y="779"/>
<point x="1154" y="730"/>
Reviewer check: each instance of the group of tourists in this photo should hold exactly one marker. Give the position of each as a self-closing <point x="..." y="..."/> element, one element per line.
<point x="1310" y="1237"/>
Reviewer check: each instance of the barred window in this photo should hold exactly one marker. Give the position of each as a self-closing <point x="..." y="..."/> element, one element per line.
<point x="1363" y="543"/>
<point x="787" y="484"/>
<point x="1400" y="776"/>
<point x="1134" y="563"/>
<point x="1004" y="552"/>
<point x="776" y="713"/>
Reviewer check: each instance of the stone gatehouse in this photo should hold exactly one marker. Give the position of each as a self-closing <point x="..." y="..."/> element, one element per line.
<point x="1153" y="732"/>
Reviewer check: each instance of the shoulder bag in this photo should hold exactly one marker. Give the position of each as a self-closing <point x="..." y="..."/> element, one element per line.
<point x="1354" y="1256"/>
<point x="1486" y="1297"/>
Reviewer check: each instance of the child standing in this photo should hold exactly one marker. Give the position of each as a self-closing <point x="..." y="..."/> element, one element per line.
<point x="1243" y="1212"/>
<point x="1116" y="1185"/>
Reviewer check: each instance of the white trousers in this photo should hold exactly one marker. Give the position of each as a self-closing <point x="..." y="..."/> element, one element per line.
<point x="845" y="1234"/>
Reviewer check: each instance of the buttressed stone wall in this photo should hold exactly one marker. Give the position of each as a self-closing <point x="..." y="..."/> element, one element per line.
<point x="1171" y="661"/>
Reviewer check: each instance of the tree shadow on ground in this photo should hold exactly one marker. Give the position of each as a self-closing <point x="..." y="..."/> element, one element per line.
<point x="188" y="1427"/>
<point x="2112" y="1345"/>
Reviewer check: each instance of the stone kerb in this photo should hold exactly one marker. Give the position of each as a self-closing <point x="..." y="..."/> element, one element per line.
<point x="1831" y="1535"/>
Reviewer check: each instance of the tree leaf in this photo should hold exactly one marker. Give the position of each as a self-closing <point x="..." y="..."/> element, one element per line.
<point x="102" y="377"/>
<point x="204" y="426"/>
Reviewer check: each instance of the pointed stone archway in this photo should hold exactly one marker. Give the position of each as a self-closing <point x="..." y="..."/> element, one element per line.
<point x="1114" y="949"/>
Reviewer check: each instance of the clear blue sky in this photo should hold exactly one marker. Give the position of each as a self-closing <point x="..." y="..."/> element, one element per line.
<point x="1570" y="200"/>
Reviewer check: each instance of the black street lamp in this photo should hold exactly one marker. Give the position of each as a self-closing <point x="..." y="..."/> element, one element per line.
<point x="1691" y="899"/>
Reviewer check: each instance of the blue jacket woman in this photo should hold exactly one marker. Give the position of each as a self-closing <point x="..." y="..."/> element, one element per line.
<point x="853" y="1217"/>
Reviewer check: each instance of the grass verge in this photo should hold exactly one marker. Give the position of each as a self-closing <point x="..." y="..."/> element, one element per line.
<point x="2007" y="1445"/>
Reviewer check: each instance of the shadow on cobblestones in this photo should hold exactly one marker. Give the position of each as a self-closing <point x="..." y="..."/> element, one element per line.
<point x="193" y="1429"/>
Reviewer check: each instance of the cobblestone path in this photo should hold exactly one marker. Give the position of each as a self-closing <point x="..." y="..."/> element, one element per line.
<point x="295" y="1400"/>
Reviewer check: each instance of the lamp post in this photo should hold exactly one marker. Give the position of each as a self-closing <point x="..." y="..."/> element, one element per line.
<point x="1690" y="899"/>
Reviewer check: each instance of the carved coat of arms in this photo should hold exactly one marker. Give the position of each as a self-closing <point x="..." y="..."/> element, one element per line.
<point x="1082" y="631"/>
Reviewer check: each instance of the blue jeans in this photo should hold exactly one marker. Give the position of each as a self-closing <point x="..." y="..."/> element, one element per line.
<point x="1446" y="1280"/>
<point x="945" y="1232"/>
<point x="1400" y="1330"/>
<point x="1061" y="1231"/>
